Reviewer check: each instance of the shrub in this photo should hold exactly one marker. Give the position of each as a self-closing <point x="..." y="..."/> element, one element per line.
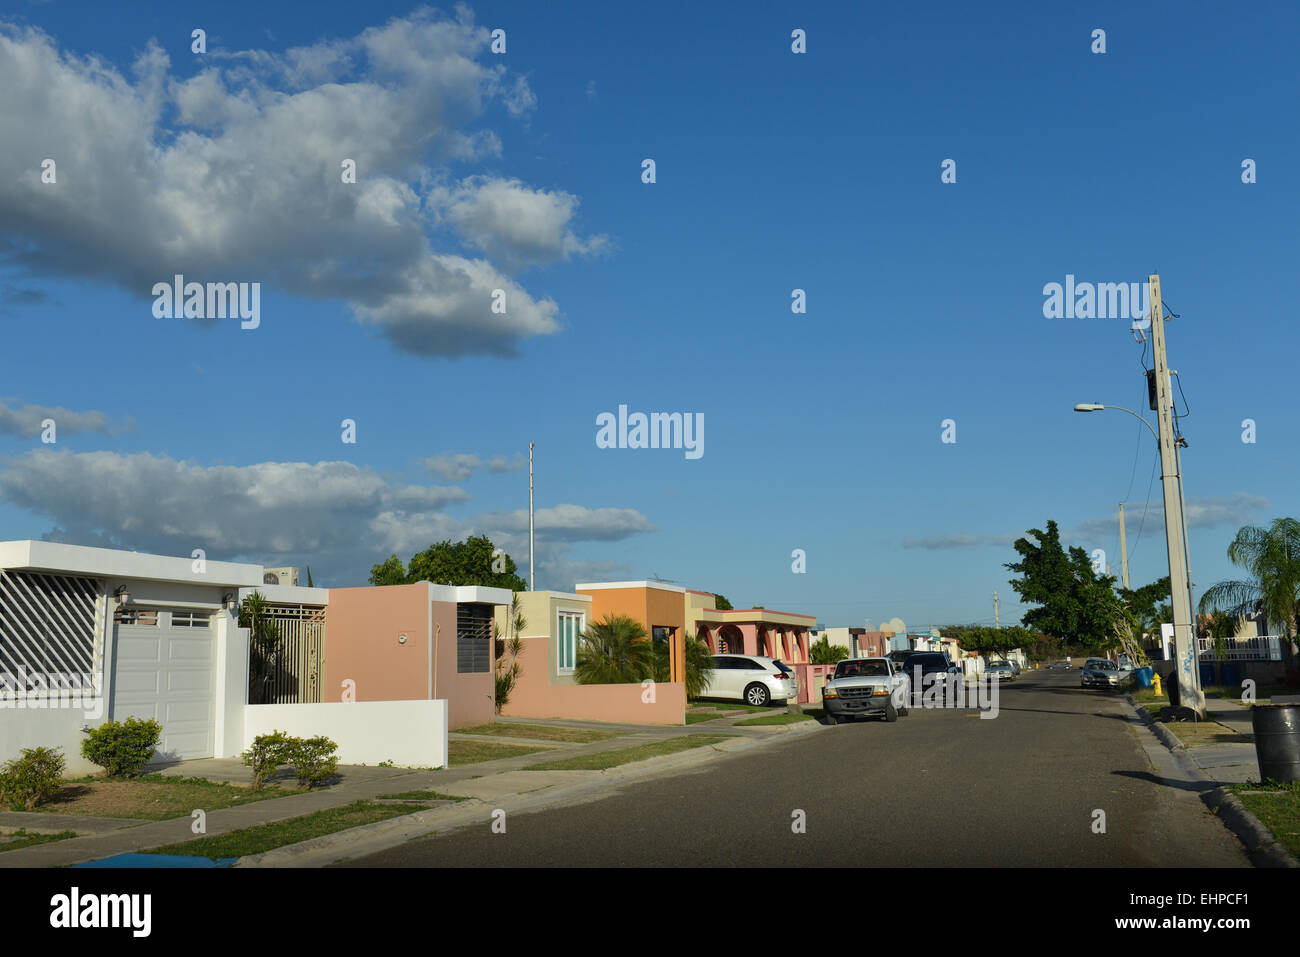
<point x="313" y="759"/>
<point x="122" y="749"/>
<point x="31" y="779"/>
<point x="268" y="752"/>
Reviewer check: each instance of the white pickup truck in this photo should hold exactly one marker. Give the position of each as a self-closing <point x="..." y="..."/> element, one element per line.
<point x="865" y="686"/>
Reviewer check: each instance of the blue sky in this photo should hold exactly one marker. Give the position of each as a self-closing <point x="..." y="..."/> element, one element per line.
<point x="775" y="171"/>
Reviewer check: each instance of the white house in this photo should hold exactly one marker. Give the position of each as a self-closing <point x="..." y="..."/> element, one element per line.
<point x="92" y="634"/>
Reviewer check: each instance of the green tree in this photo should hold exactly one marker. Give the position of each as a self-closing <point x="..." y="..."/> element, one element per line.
<point x="475" y="561"/>
<point x="995" y="641"/>
<point x="823" y="652"/>
<point x="388" y="572"/>
<point x="721" y="603"/>
<point x="1271" y="556"/>
<point x="699" y="665"/>
<point x="1074" y="603"/>
<point x="613" y="651"/>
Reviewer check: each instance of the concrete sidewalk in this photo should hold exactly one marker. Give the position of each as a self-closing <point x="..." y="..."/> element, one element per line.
<point x="500" y="781"/>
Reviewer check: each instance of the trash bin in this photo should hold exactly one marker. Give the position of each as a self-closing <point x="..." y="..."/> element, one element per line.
<point x="1277" y="740"/>
<point x="1207" y="675"/>
<point x="1143" y="675"/>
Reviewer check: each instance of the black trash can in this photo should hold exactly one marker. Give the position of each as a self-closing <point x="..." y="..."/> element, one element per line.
<point x="1277" y="740"/>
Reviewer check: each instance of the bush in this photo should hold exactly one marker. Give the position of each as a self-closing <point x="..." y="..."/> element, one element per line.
<point x="122" y="749"/>
<point x="31" y="779"/>
<point x="313" y="759"/>
<point x="268" y="752"/>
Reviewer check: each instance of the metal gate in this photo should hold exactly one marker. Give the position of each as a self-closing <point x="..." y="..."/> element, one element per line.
<point x="299" y="666"/>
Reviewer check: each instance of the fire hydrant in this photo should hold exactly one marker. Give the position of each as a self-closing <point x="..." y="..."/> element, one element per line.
<point x="1155" y="686"/>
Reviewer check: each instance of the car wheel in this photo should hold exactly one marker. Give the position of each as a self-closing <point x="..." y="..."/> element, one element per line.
<point x="757" y="695"/>
<point x="891" y="713"/>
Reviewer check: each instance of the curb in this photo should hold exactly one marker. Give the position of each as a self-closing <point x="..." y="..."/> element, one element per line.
<point x="382" y="835"/>
<point x="1262" y="847"/>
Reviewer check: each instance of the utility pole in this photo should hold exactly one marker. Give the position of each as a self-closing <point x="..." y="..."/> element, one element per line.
<point x="531" y="563"/>
<point x="1123" y="547"/>
<point x="1186" y="668"/>
<point x="996" y="623"/>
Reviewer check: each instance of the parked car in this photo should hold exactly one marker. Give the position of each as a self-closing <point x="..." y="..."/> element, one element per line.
<point x="865" y="686"/>
<point x="1104" y="673"/>
<point x="1001" y="670"/>
<point x="933" y="665"/>
<point x="1015" y="666"/>
<point x="754" y="680"/>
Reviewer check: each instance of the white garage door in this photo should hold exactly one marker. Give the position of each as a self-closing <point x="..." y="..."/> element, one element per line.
<point x="166" y="672"/>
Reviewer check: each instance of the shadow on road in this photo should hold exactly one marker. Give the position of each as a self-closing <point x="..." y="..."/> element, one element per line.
<point x="1195" y="787"/>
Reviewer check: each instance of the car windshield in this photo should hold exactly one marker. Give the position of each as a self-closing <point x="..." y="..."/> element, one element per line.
<point x="927" y="661"/>
<point x="861" y="669"/>
<point x="1097" y="664"/>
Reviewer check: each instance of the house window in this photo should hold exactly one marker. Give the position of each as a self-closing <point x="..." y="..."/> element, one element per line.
<point x="570" y="626"/>
<point x="473" y="639"/>
<point x="191" y="619"/>
<point x="130" y="615"/>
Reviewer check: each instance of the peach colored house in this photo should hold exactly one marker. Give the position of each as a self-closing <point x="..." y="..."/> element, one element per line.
<point x="547" y="687"/>
<point x="415" y="642"/>
<point x="658" y="606"/>
<point x="761" y="632"/>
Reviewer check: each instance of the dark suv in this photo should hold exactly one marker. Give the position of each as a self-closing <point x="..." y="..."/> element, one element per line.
<point x="931" y="663"/>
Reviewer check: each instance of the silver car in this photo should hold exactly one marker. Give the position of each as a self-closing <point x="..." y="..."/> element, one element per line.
<point x="1104" y="673"/>
<point x="1002" y="670"/>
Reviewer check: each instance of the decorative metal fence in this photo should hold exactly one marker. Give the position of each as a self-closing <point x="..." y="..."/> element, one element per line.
<point x="299" y="664"/>
<point x="1262" y="648"/>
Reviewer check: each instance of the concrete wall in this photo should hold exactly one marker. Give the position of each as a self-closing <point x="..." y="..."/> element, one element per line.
<point x="471" y="698"/>
<point x="49" y="728"/>
<point x="408" y="733"/>
<point x="362" y="627"/>
<point x="535" y="696"/>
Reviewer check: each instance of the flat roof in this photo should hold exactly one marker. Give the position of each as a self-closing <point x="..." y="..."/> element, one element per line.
<point x="592" y="586"/>
<point x="56" y="557"/>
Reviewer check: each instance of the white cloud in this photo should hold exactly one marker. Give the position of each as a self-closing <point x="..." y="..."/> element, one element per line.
<point x="233" y="174"/>
<point x="338" y="517"/>
<point x="25" y="421"/>
<point x="458" y="467"/>
<point x="512" y="223"/>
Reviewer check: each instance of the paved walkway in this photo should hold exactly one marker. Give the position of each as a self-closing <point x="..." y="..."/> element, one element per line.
<point x="1227" y="755"/>
<point x="356" y="783"/>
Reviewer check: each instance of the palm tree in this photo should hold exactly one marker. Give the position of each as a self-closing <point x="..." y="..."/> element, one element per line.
<point x="1272" y="557"/>
<point x="613" y="651"/>
<point x="509" y="647"/>
<point x="264" y="640"/>
<point x="699" y="665"/>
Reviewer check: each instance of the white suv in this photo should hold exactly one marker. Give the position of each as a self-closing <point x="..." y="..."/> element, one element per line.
<point x="751" y="679"/>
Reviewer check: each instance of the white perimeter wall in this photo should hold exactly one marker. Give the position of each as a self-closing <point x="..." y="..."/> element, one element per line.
<point x="49" y="728"/>
<point x="408" y="733"/>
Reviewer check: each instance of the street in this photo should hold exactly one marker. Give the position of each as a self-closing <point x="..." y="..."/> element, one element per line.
<point x="938" y="787"/>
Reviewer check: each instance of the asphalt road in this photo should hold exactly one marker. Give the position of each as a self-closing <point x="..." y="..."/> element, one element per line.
<point x="936" y="788"/>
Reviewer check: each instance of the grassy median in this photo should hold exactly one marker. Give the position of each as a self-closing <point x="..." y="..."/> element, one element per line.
<point x="20" y="838"/>
<point x="611" y="759"/>
<point x="542" y="732"/>
<point x="267" y="837"/>
<point x="461" y="752"/>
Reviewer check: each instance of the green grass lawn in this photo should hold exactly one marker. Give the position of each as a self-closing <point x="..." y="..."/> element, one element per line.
<point x="610" y="759"/>
<point x="1277" y="806"/>
<point x="695" y="717"/>
<point x="769" y="719"/>
<point x="461" y="752"/>
<point x="426" y="794"/>
<point x="267" y="837"/>
<point x="542" y="732"/>
<point x="20" y="838"/>
<point x="151" y="797"/>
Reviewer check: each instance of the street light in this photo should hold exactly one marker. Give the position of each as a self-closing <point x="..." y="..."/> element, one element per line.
<point x="1182" y="520"/>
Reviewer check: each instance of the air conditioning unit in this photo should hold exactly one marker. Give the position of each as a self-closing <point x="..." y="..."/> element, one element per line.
<point x="280" y="576"/>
